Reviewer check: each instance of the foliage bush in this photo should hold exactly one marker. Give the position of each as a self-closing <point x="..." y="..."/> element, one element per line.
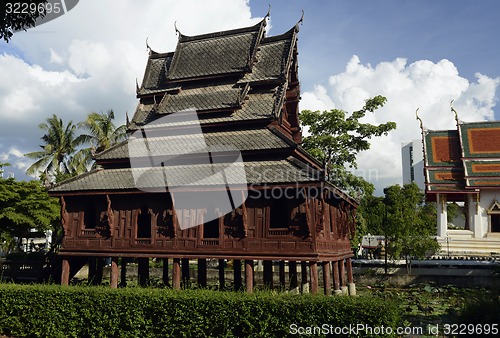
<point x="482" y="310"/>
<point x="55" y="311"/>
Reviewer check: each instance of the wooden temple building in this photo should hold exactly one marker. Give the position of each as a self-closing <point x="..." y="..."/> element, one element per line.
<point x="463" y="165"/>
<point x="244" y="89"/>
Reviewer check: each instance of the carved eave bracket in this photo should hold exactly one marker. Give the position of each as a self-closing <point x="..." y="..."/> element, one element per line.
<point x="175" y="220"/>
<point x="64" y="217"/>
<point x="110" y="215"/>
<point x="308" y="215"/>
<point x="244" y="215"/>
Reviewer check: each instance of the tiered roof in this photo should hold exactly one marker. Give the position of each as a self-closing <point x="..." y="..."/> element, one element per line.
<point x="462" y="160"/>
<point x="481" y="153"/>
<point x="244" y="90"/>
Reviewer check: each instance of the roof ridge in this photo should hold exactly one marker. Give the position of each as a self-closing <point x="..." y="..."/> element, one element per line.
<point x="114" y="146"/>
<point x="254" y="28"/>
<point x="290" y="33"/>
<point x="77" y="177"/>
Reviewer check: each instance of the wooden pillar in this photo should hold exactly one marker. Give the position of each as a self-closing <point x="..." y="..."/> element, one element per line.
<point x="222" y="275"/>
<point x="202" y="272"/>
<point x="249" y="275"/>
<point x="282" y="274"/>
<point x="99" y="271"/>
<point x="292" y="274"/>
<point x="349" y="270"/>
<point x="123" y="272"/>
<point x="268" y="274"/>
<point x="143" y="270"/>
<point x="176" y="274"/>
<point x="303" y="274"/>
<point x="92" y="270"/>
<point x="65" y="271"/>
<point x="164" y="269"/>
<point x="313" y="272"/>
<point x="186" y="278"/>
<point x="336" y="280"/>
<point x="327" y="282"/>
<point x="343" y="286"/>
<point x="237" y="274"/>
<point x="342" y="273"/>
<point x="350" y="281"/>
<point x="114" y="273"/>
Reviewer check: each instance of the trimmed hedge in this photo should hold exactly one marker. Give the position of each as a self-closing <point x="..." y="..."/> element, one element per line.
<point x="55" y="311"/>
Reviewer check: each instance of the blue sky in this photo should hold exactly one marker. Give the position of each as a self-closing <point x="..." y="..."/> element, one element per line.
<point x="462" y="31"/>
<point x="419" y="54"/>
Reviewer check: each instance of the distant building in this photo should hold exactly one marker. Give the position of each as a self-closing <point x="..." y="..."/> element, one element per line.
<point x="413" y="163"/>
<point x="463" y="165"/>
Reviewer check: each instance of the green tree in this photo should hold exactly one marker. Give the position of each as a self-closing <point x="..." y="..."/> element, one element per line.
<point x="336" y="139"/>
<point x="61" y="143"/>
<point x="25" y="206"/>
<point x="411" y="223"/>
<point x="11" y="21"/>
<point x="102" y="132"/>
<point x="373" y="210"/>
<point x="3" y="165"/>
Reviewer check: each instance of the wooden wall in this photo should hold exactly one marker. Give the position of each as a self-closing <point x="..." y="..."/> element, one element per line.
<point x="147" y="223"/>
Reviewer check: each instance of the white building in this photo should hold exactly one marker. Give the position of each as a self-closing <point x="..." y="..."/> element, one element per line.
<point x="413" y="163"/>
<point x="463" y="165"/>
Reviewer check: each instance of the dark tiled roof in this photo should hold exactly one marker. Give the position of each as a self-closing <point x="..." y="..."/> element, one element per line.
<point x="273" y="59"/>
<point x="197" y="175"/>
<point x="260" y="104"/>
<point x="143" y="112"/>
<point x="207" y="97"/>
<point x="242" y="140"/>
<point x="155" y="75"/>
<point x="219" y="53"/>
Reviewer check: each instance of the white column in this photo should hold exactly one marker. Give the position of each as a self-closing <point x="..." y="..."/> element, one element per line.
<point x="442" y="216"/>
<point x="475" y="224"/>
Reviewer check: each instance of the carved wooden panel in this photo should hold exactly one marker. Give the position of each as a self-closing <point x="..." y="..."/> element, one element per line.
<point x="288" y="245"/>
<point x="271" y="244"/>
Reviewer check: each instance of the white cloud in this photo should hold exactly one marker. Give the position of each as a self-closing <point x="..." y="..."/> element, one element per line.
<point x="16" y="158"/>
<point x="422" y="84"/>
<point x="55" y="58"/>
<point x="318" y="99"/>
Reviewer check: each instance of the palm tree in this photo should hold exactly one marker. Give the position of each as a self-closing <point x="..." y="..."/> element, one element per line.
<point x="61" y="144"/>
<point x="102" y="133"/>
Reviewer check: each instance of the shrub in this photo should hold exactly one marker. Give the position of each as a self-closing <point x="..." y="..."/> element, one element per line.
<point x="55" y="311"/>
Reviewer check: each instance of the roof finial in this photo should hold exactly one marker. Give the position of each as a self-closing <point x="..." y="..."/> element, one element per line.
<point x="301" y="18"/>
<point x="268" y="12"/>
<point x="147" y="45"/>
<point x="296" y="27"/>
<point x="454" y="112"/>
<point x="176" y="30"/>
<point x="136" y="86"/>
<point x="126" y="116"/>
<point x="419" y="120"/>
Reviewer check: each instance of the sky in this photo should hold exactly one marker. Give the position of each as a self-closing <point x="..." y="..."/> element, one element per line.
<point x="418" y="54"/>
